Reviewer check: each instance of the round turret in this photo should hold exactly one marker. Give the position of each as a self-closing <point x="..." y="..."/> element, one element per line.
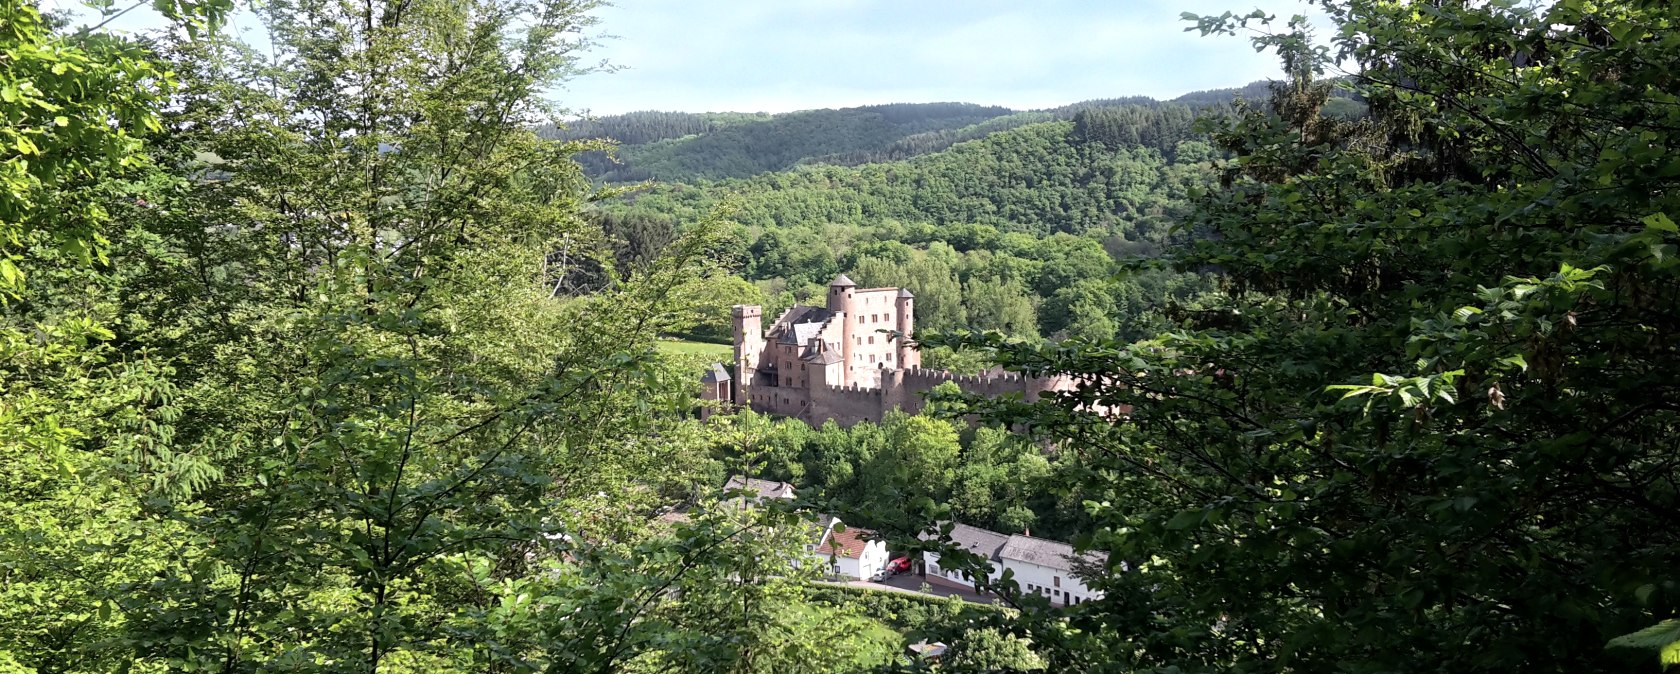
<point x="908" y="356"/>
<point x="840" y="293"/>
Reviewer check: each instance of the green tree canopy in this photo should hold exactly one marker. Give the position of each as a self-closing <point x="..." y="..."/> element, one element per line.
<point x="1425" y="426"/>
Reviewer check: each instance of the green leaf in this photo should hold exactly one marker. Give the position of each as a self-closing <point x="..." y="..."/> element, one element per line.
<point x="1660" y="222"/>
<point x="1186" y="519"/>
<point x="1660" y="637"/>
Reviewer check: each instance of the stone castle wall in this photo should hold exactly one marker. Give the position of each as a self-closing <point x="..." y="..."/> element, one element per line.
<point x="917" y="382"/>
<point x="906" y="390"/>
<point x="846" y="405"/>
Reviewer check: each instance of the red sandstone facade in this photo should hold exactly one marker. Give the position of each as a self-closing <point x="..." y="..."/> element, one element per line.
<point x="850" y="361"/>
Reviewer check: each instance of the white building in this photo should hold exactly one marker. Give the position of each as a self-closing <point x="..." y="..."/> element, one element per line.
<point x="1040" y="566"/>
<point x="979" y="541"/>
<point x="1047" y="568"/>
<point x="851" y="552"/>
<point x="834" y="548"/>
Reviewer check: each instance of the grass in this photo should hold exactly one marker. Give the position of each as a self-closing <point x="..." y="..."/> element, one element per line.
<point x="716" y="352"/>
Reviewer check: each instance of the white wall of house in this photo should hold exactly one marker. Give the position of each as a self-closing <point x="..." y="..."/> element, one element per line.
<point x="873" y="560"/>
<point x="1057" y="585"/>
<point x="868" y="563"/>
<point x="930" y="561"/>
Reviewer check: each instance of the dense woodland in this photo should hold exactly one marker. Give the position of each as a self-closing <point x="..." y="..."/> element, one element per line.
<point x="1019" y="231"/>
<point x="343" y="354"/>
<point x="888" y="476"/>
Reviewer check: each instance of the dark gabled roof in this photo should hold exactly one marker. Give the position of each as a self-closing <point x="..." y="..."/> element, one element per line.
<point x="842" y="281"/>
<point x="827" y="356"/>
<point x="716" y="373"/>
<point x="800" y="313"/>
<point x="983" y="542"/>
<point x="1046" y="553"/>
<point x="765" y="488"/>
<point x="801" y="333"/>
<point x="905" y="293"/>
<point x="800" y="324"/>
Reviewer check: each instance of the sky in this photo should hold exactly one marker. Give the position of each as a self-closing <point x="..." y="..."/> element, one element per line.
<point x="786" y="55"/>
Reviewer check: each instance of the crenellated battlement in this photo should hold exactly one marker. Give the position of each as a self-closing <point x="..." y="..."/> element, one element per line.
<point x="851" y="389"/>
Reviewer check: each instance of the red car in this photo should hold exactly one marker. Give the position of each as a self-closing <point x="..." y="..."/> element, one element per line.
<point x="900" y="565"/>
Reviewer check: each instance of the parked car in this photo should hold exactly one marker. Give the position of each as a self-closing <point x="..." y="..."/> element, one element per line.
<point x="900" y="565"/>
<point x="878" y="577"/>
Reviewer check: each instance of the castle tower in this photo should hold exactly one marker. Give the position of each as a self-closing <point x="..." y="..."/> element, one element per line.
<point x="908" y="356"/>
<point x="749" y="343"/>
<point x="892" y="391"/>
<point x="840" y="292"/>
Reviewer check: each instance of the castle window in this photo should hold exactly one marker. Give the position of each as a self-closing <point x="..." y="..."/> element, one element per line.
<point x="889" y="356"/>
<point x="860" y="319"/>
<point x="871" y="339"/>
<point x="872" y="358"/>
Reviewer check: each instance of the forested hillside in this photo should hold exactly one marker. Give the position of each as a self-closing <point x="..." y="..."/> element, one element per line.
<point x="687" y="147"/>
<point x="690" y="147"/>
<point x="1018" y="230"/>
<point x="1108" y="168"/>
<point x="1013" y="223"/>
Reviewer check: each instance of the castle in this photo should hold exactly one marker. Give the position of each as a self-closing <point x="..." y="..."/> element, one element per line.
<point x="843" y="361"/>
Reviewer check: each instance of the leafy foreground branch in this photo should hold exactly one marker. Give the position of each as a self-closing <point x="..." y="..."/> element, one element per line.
<point x="1495" y="243"/>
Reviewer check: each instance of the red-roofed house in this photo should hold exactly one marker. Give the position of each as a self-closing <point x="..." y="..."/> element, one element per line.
<point x="852" y="552"/>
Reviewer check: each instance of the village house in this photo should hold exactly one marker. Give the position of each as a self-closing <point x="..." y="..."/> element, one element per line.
<point x="975" y="540"/>
<point x="1040" y="566"/>
<point x="837" y="549"/>
<point x="852" y="552"/>
<point x="765" y="489"/>
<point x="1048" y="567"/>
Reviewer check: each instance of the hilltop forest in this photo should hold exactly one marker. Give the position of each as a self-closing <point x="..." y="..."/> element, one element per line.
<point x="996" y="220"/>
<point x="350" y="352"/>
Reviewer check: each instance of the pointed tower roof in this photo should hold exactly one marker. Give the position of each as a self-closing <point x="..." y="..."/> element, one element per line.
<point x="842" y="281"/>
<point x="905" y="293"/>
